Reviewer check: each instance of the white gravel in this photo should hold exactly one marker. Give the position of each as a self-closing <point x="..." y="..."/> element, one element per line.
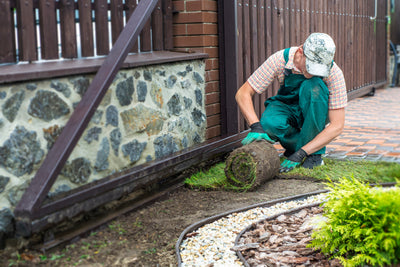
<point x="210" y="245"/>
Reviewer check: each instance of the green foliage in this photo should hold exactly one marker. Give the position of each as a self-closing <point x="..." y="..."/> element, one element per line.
<point x="43" y="257"/>
<point x="117" y="228"/>
<point x="151" y="251"/>
<point x="362" y="225"/>
<point x="137" y="223"/>
<point x="56" y="257"/>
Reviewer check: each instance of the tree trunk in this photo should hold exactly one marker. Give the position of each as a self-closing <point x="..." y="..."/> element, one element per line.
<point x="251" y="165"/>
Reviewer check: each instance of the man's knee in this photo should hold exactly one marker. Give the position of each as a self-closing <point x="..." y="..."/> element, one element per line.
<point x="274" y="126"/>
<point x="268" y="123"/>
<point x="314" y="89"/>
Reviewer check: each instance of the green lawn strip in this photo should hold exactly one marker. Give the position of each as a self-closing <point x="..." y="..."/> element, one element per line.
<point x="366" y="171"/>
<point x="211" y="179"/>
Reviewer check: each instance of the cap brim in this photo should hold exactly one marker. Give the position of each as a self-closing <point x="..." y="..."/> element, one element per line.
<point x="317" y="69"/>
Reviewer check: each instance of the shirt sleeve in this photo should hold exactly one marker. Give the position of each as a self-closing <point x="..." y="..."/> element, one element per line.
<point x="267" y="72"/>
<point x="337" y="88"/>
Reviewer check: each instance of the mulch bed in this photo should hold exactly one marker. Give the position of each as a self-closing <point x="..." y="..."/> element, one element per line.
<point x="283" y="241"/>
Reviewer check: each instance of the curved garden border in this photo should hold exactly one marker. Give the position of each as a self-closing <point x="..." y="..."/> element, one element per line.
<point x="288" y="212"/>
<point x="208" y="220"/>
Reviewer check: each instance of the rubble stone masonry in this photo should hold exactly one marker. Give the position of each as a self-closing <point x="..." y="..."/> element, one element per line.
<point x="147" y="113"/>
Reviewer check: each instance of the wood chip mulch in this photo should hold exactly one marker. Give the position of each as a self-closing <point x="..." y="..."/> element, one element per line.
<point x="283" y="241"/>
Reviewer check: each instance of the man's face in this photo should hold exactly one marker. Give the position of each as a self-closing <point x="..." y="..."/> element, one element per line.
<point x="302" y="64"/>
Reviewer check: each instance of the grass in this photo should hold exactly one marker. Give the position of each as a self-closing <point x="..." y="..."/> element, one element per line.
<point x="366" y="171"/>
<point x="213" y="178"/>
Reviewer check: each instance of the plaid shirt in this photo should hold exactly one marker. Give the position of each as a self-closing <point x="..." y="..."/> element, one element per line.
<point x="274" y="67"/>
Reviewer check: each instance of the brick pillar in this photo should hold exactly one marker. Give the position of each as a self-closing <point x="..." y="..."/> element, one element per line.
<point x="196" y="29"/>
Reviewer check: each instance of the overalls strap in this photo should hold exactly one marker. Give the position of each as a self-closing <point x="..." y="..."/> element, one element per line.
<point x="286" y="54"/>
<point x="288" y="93"/>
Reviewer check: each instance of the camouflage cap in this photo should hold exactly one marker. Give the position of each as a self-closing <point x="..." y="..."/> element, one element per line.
<point x="319" y="49"/>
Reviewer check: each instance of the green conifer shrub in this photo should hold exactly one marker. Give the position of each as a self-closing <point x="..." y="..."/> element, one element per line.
<point x="362" y="226"/>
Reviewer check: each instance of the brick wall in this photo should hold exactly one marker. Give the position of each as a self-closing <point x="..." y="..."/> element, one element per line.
<point x="196" y="28"/>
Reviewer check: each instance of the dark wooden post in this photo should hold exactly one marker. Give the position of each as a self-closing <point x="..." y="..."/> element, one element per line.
<point x="167" y="14"/>
<point x="228" y="66"/>
<point x="26" y="30"/>
<point x="101" y="18"/>
<point x="48" y="29"/>
<point x="117" y="19"/>
<point x="157" y="27"/>
<point x="86" y="28"/>
<point x="68" y="29"/>
<point x="7" y="44"/>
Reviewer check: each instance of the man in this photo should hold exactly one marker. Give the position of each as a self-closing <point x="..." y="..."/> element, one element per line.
<point x="308" y="111"/>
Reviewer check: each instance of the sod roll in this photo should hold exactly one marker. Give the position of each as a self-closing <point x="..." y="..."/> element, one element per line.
<point x="251" y="165"/>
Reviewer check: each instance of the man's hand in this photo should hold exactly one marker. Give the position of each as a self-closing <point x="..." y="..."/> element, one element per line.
<point x="257" y="133"/>
<point x="293" y="161"/>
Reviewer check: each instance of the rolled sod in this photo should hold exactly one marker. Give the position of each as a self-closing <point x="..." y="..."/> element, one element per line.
<point x="251" y="165"/>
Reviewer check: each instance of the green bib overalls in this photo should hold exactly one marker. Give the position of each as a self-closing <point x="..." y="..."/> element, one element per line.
<point x="298" y="112"/>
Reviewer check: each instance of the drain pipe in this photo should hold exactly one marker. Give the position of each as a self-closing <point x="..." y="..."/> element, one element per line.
<point x="376" y="11"/>
<point x="395" y="64"/>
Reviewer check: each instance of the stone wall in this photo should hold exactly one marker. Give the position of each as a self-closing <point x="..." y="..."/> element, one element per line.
<point x="147" y="113"/>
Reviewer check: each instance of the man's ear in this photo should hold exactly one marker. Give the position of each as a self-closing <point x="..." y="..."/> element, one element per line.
<point x="301" y="49"/>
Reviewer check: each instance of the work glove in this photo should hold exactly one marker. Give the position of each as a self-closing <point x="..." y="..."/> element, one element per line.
<point x="257" y="133"/>
<point x="293" y="161"/>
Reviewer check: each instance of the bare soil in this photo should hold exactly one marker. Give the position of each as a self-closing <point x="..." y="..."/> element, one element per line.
<point x="147" y="237"/>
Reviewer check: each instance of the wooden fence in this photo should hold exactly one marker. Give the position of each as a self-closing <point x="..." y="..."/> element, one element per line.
<point x="266" y="26"/>
<point x="54" y="29"/>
